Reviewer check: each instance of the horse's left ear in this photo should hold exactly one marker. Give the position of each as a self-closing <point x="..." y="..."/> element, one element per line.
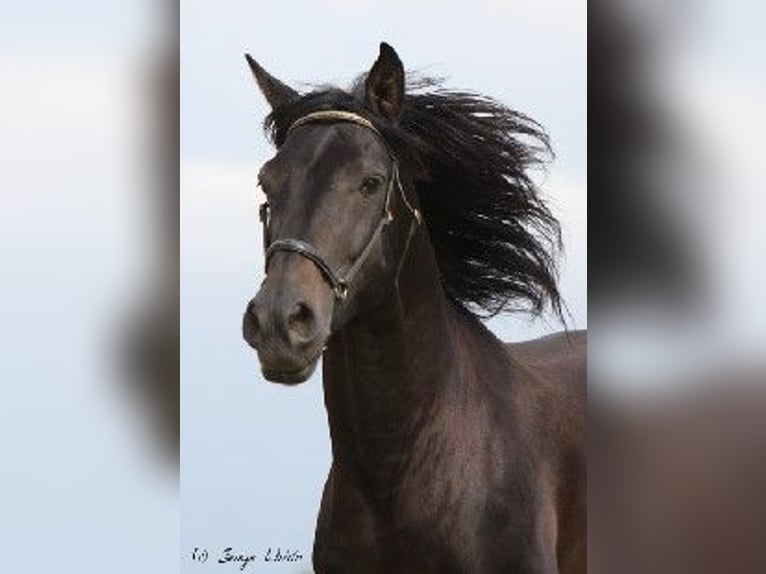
<point x="384" y="87"/>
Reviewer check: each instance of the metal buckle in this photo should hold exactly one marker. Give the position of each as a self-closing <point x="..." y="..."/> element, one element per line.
<point x="263" y="212"/>
<point x="341" y="290"/>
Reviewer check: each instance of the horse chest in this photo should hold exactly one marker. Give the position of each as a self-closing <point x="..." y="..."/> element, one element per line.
<point x="373" y="544"/>
<point x="417" y="531"/>
<point x="379" y="547"/>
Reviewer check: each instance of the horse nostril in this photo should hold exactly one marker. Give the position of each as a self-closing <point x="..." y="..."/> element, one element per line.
<point x="301" y="323"/>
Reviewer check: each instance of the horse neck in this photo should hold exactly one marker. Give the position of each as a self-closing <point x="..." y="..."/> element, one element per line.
<point x="386" y="370"/>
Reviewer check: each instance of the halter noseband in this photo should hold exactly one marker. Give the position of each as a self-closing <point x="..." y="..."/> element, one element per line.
<point x="337" y="281"/>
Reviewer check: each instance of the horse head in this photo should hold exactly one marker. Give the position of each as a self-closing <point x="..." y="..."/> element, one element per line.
<point x="337" y="218"/>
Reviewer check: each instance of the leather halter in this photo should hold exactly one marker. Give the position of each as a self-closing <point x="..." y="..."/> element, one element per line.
<point x="339" y="282"/>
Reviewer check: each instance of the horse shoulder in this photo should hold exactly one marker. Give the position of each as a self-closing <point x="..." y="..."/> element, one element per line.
<point x="552" y="375"/>
<point x="553" y="369"/>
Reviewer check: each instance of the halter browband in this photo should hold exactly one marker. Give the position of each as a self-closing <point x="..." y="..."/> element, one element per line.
<point x="336" y="115"/>
<point x="337" y="281"/>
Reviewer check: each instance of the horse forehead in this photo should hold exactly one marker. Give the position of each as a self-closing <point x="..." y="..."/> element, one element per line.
<point x="327" y="145"/>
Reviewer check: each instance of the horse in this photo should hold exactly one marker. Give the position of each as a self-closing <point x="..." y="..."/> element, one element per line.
<point x="397" y="217"/>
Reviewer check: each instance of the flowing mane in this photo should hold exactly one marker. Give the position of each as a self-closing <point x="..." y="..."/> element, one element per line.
<point x="495" y="240"/>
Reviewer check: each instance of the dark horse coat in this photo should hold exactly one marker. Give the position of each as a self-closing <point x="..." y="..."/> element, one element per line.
<point x="393" y="218"/>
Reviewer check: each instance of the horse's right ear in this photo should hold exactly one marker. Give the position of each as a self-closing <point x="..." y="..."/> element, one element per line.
<point x="275" y="92"/>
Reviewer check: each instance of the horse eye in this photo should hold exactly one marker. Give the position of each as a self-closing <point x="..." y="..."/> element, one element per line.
<point x="371" y="184"/>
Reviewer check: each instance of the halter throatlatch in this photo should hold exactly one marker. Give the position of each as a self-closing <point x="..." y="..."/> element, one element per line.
<point x="340" y="280"/>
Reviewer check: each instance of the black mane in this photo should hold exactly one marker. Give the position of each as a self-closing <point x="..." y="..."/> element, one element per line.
<point x="495" y="240"/>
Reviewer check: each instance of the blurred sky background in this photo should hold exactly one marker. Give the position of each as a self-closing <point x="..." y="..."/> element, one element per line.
<point x="85" y="488"/>
<point x="254" y="456"/>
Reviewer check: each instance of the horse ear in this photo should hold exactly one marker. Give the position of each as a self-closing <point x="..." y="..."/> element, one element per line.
<point x="384" y="87"/>
<point x="275" y="92"/>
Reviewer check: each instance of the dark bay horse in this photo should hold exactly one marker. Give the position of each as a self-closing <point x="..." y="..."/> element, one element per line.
<point x="394" y="219"/>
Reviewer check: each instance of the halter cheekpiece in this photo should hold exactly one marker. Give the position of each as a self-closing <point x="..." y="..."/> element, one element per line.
<point x="340" y="280"/>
